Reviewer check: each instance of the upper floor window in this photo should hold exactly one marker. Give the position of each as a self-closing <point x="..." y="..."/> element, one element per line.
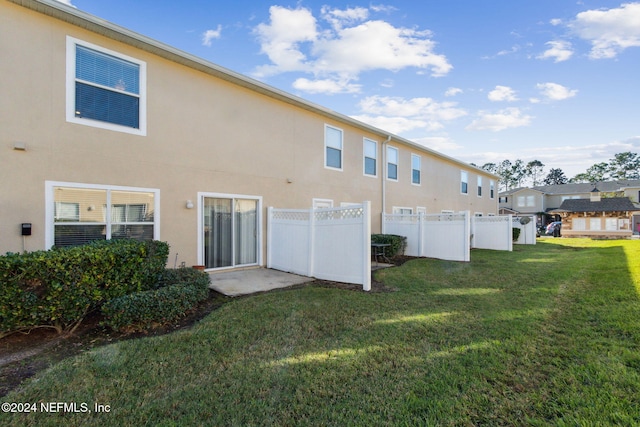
<point x="492" y="189"/>
<point x="526" y="201"/>
<point x="332" y="147"/>
<point x="392" y="163"/>
<point x="479" y="186"/>
<point x="464" y="182"/>
<point x="415" y="169"/>
<point x="370" y="157"/>
<point x="105" y="89"/>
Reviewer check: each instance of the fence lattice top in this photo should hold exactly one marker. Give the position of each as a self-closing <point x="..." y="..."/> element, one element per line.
<point x="290" y="214"/>
<point x="330" y="214"/>
<point x="413" y="218"/>
<point x="338" y="213"/>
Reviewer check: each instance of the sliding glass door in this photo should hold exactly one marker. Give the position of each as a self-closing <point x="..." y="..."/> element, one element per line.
<point x="230" y="231"/>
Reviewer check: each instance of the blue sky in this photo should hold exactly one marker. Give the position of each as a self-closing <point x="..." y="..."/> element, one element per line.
<point x="482" y="81"/>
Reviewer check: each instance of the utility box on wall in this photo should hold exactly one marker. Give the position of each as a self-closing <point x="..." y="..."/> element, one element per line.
<point x="26" y="229"/>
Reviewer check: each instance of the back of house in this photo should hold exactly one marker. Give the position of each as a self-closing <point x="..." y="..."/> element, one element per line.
<point x="109" y="134"/>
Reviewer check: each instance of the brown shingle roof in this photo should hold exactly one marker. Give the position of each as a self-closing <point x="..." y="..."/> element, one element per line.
<point x="613" y="204"/>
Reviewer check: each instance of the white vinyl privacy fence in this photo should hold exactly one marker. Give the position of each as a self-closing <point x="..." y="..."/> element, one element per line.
<point x="527" y="226"/>
<point x="331" y="244"/>
<point x="492" y="232"/>
<point x="442" y="236"/>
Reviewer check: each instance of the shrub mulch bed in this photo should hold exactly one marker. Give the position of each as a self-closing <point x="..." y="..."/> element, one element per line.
<point x="22" y="355"/>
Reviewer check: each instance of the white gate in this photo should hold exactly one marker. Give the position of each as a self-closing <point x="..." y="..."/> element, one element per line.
<point x="331" y="244"/>
<point x="492" y="232"/>
<point x="442" y="236"/>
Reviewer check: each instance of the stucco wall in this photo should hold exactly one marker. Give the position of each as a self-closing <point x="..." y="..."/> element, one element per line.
<point x="203" y="135"/>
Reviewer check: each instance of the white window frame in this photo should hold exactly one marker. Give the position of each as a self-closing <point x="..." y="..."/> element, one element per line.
<point x="50" y="205"/>
<point x="341" y="148"/>
<point x="71" y="90"/>
<point x="419" y="169"/>
<point x="479" y="190"/>
<point x="421" y="210"/>
<point x="200" y="249"/>
<point x="365" y="142"/>
<point x="402" y="210"/>
<point x="464" y="179"/>
<point x="389" y="162"/>
<point x="492" y="189"/>
<point x="321" y="203"/>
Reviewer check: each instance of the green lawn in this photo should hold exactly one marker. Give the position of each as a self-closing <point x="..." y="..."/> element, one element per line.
<point x="544" y="335"/>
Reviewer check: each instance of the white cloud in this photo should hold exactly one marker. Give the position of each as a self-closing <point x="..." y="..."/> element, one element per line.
<point x="555" y="22"/>
<point x="400" y="115"/>
<point x="555" y="92"/>
<point x="502" y="93"/>
<point x="326" y="86"/>
<point x="423" y="107"/>
<point x="438" y="143"/>
<point x="339" y="18"/>
<point x="350" y="50"/>
<point x="503" y="119"/>
<point x="281" y="38"/>
<point x="453" y="91"/>
<point x="396" y="125"/>
<point x="610" y="31"/>
<point x="294" y="40"/>
<point x="209" y="35"/>
<point x="558" y="51"/>
<point x="382" y="8"/>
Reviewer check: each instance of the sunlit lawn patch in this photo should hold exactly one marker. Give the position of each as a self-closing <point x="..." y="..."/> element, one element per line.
<point x="546" y="334"/>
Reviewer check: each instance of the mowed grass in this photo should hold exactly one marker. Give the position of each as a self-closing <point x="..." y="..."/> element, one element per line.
<point x="544" y="335"/>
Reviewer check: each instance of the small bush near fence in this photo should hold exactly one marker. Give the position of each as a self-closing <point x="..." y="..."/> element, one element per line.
<point x="515" y="233"/>
<point x="179" y="290"/>
<point x="57" y="288"/>
<point x="398" y="243"/>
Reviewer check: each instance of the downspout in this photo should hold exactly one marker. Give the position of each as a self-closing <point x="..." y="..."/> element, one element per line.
<point x="383" y="175"/>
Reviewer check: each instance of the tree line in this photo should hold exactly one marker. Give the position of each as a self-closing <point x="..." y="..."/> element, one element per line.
<point x="520" y="174"/>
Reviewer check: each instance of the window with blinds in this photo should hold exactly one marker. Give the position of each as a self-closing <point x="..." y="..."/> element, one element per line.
<point x="105" y="89"/>
<point x="82" y="215"/>
<point x="392" y="163"/>
<point x="333" y="147"/>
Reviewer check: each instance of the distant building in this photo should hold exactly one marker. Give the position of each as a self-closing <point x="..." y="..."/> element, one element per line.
<point x="616" y="203"/>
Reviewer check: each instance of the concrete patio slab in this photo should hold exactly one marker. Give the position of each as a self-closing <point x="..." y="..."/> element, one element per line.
<point x="250" y="281"/>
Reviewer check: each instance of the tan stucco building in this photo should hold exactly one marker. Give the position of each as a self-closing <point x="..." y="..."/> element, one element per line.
<point x="105" y="133"/>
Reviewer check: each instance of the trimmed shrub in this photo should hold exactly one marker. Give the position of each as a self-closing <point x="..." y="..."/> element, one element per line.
<point x="141" y="310"/>
<point x="57" y="288"/>
<point x="398" y="243"/>
<point x="515" y="233"/>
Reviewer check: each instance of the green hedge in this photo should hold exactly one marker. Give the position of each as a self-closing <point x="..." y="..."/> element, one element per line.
<point x="398" y="243"/>
<point x="515" y="233"/>
<point x="56" y="288"/>
<point x="181" y="290"/>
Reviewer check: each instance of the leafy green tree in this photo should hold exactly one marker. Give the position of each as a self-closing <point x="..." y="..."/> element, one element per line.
<point x="596" y="173"/>
<point x="625" y="166"/>
<point x="534" y="171"/>
<point x="555" y="176"/>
